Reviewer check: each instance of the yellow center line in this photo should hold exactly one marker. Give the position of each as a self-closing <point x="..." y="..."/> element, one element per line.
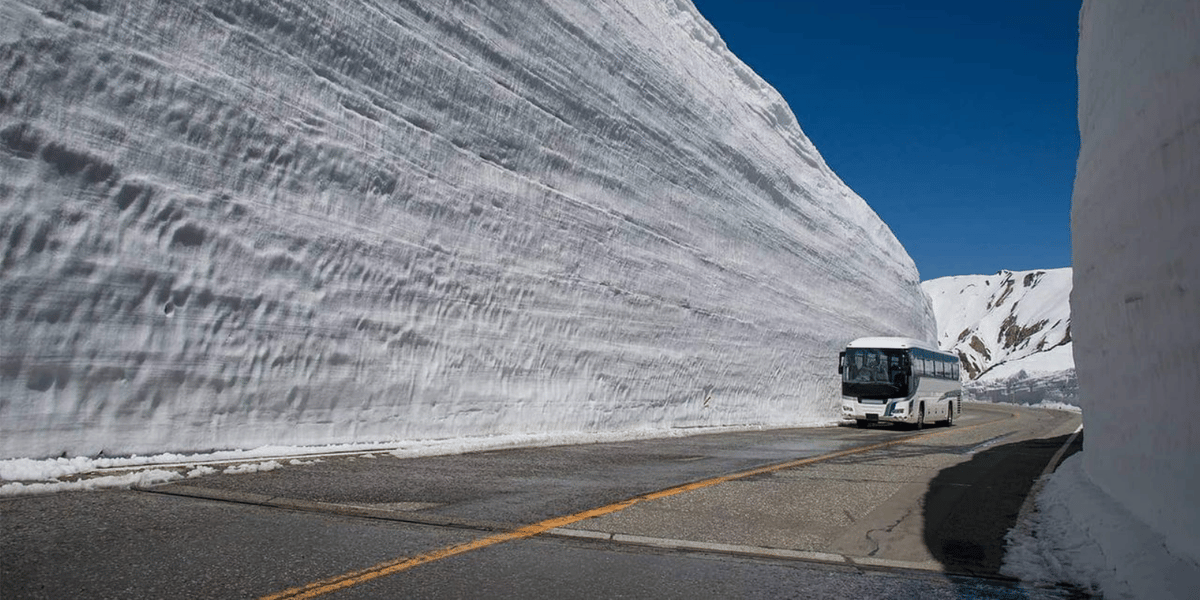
<point x="391" y="567"/>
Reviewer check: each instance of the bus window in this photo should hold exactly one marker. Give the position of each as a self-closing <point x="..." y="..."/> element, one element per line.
<point x="871" y="365"/>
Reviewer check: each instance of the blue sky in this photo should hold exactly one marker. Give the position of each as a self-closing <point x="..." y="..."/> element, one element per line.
<point x="955" y="120"/>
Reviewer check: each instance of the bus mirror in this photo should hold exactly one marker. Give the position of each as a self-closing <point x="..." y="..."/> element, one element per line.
<point x="841" y="362"/>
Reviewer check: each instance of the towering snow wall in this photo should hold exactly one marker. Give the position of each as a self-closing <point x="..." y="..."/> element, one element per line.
<point x="229" y="223"/>
<point x="1135" y="220"/>
<point x="1012" y="331"/>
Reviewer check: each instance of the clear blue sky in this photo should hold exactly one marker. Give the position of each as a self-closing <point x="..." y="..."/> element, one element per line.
<point x="955" y="120"/>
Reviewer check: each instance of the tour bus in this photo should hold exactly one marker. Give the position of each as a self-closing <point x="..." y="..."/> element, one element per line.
<point x="898" y="380"/>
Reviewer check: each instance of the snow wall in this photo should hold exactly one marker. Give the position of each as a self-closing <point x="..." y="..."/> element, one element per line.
<point x="233" y="223"/>
<point x="1135" y="220"/>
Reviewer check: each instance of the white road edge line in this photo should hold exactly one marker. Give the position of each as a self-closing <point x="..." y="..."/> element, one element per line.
<point x="1040" y="482"/>
<point x="676" y="544"/>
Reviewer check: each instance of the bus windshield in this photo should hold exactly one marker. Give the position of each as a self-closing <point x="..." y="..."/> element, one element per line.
<point x="875" y="373"/>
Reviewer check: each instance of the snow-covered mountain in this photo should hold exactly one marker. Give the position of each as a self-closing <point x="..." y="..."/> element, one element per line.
<point x="1012" y="331"/>
<point x="229" y="223"/>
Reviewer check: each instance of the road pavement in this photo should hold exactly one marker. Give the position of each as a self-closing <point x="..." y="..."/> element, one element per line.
<point x="804" y="513"/>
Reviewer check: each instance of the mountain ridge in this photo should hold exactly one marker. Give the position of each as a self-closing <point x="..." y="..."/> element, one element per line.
<point x="1011" y="330"/>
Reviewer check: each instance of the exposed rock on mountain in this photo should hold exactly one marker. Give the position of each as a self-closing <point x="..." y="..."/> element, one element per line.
<point x="1012" y="331"/>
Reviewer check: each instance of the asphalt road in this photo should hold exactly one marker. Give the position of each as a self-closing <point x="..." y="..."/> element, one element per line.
<point x="832" y="512"/>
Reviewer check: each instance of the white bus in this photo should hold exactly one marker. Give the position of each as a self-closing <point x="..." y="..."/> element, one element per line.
<point x="899" y="380"/>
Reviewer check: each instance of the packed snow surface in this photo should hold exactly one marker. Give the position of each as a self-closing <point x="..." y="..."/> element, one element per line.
<point x="235" y="223"/>
<point x="1134" y="224"/>
<point x="1121" y="517"/>
<point x="1082" y="536"/>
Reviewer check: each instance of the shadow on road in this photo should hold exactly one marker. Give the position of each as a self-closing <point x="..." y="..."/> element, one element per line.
<point x="971" y="506"/>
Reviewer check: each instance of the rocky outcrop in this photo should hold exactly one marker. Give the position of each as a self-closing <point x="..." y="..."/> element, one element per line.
<point x="1013" y="333"/>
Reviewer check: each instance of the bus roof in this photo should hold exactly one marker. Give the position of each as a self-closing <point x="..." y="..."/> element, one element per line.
<point x="892" y="342"/>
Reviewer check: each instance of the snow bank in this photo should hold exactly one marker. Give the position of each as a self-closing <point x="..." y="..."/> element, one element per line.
<point x="233" y="223"/>
<point x="50" y="475"/>
<point x="1082" y="536"/>
<point x="1136" y="299"/>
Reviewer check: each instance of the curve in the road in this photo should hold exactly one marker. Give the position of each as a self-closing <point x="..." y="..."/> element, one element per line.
<point x="347" y="580"/>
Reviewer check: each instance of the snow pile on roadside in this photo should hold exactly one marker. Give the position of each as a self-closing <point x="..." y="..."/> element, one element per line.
<point x="38" y="476"/>
<point x="137" y="478"/>
<point x="1082" y="536"/>
<point x="1136" y="303"/>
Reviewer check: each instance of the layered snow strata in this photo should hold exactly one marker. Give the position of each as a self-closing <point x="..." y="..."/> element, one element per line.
<point x="1136" y="252"/>
<point x="240" y="222"/>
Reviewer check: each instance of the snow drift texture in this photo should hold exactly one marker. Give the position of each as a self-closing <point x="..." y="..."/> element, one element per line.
<point x="1012" y="331"/>
<point x="232" y="223"/>
<point x="1136" y="254"/>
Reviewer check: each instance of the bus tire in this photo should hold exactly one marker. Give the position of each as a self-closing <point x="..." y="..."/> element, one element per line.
<point x="950" y="416"/>
<point x="920" y="424"/>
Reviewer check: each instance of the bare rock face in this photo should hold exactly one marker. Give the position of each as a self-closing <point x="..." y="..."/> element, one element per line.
<point x="991" y="320"/>
<point x="1012" y="332"/>
<point x="233" y="223"/>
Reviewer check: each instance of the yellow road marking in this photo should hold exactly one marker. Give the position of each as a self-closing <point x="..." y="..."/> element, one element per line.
<point x="346" y="580"/>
